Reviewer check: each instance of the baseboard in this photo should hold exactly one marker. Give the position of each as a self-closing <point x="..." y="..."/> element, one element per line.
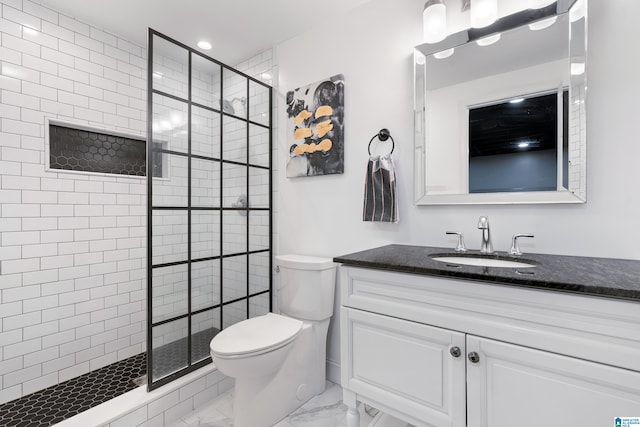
<point x="333" y="371"/>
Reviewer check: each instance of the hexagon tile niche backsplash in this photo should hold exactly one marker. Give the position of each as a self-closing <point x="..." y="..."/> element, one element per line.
<point x="90" y="151"/>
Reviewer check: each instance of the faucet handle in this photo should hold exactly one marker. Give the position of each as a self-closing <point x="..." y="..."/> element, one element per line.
<point x="515" y="248"/>
<point x="460" y="246"/>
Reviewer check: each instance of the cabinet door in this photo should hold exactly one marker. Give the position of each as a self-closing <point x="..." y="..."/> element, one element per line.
<point x="512" y="385"/>
<point x="404" y="368"/>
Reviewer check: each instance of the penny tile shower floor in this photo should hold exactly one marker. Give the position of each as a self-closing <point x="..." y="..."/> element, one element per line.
<point x="56" y="403"/>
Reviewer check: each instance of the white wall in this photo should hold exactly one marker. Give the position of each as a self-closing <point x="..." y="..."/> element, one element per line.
<point x="372" y="46"/>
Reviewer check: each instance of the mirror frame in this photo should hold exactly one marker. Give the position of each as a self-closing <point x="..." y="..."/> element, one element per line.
<point x="421" y="197"/>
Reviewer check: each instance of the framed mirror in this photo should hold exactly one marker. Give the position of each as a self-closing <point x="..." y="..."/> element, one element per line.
<point x="500" y="113"/>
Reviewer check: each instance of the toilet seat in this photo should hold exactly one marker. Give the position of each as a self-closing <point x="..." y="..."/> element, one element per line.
<point x="255" y="336"/>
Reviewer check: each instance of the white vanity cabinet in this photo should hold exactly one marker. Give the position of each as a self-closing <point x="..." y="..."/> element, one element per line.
<point x="436" y="351"/>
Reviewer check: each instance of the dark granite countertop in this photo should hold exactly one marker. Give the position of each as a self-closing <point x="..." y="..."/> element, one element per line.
<point x="603" y="277"/>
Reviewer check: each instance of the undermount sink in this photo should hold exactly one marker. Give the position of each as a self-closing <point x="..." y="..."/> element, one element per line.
<point x="481" y="261"/>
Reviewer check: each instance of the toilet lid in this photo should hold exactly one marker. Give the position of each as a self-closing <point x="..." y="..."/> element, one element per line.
<point x="256" y="335"/>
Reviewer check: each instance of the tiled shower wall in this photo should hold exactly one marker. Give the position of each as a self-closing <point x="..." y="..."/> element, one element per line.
<point x="73" y="245"/>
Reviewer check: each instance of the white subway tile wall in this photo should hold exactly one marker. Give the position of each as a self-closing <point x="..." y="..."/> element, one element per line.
<point x="205" y="284"/>
<point x="205" y="82"/>
<point x="169" y="292"/>
<point x="234" y="280"/>
<point x="262" y="67"/>
<point x="72" y="259"/>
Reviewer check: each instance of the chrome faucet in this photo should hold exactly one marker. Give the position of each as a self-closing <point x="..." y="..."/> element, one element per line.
<point x="515" y="248"/>
<point x="483" y="224"/>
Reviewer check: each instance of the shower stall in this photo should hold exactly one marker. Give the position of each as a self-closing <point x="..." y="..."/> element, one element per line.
<point x="209" y="215"/>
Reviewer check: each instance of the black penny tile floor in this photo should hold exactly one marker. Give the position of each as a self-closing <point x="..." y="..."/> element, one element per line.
<point x="173" y="356"/>
<point x="54" y="404"/>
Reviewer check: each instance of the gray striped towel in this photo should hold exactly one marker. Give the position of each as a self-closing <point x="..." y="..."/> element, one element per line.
<point x="380" y="199"/>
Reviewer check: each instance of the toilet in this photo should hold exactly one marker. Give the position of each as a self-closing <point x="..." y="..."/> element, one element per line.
<point x="278" y="360"/>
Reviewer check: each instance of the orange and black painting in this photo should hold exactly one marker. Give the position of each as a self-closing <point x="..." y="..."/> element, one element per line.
<point x="316" y="128"/>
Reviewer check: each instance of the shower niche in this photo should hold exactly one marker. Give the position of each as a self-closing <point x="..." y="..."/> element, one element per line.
<point x="209" y="212"/>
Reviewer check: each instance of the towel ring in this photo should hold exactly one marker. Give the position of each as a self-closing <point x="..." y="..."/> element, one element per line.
<point x="383" y="135"/>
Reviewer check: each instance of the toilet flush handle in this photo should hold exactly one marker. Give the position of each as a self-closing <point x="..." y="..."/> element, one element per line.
<point x="277" y="269"/>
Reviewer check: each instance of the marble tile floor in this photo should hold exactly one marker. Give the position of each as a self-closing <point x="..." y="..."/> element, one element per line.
<point x="324" y="410"/>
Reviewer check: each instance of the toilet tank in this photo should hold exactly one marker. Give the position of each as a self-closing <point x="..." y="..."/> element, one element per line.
<point x="307" y="286"/>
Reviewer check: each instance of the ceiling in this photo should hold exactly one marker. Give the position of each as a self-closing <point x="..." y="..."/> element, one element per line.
<point x="238" y="29"/>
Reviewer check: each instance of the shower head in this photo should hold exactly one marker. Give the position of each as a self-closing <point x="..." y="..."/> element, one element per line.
<point x="228" y="106"/>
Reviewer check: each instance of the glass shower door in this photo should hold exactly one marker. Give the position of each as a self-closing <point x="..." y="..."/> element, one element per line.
<point x="209" y="204"/>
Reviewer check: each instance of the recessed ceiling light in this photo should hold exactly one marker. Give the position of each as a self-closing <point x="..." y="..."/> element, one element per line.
<point x="523" y="144"/>
<point x="203" y="44"/>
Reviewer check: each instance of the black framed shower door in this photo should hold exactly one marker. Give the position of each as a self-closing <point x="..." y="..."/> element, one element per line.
<point x="209" y="204"/>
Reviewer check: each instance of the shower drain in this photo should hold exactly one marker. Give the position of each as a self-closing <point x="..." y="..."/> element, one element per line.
<point x="140" y="380"/>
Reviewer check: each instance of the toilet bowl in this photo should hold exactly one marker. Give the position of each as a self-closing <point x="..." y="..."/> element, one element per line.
<point x="278" y="360"/>
<point x="255" y="347"/>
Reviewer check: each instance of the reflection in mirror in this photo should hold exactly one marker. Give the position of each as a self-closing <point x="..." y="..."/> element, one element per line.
<point x="500" y="111"/>
<point x="514" y="145"/>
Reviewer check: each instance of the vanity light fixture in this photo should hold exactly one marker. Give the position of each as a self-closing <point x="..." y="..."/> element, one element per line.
<point x="434" y="21"/>
<point x="483" y="12"/>
<point x="539" y="4"/>
<point x="516" y="100"/>
<point x="489" y="40"/>
<point x="204" y="45"/>
<point x="523" y="144"/>
<point x="541" y="25"/>
<point x="444" y="54"/>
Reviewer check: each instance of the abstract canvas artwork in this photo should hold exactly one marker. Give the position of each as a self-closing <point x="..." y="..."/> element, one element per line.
<point x="315" y="128"/>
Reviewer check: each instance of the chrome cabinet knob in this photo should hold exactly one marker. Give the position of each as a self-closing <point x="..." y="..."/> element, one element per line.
<point x="455" y="351"/>
<point x="474" y="357"/>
